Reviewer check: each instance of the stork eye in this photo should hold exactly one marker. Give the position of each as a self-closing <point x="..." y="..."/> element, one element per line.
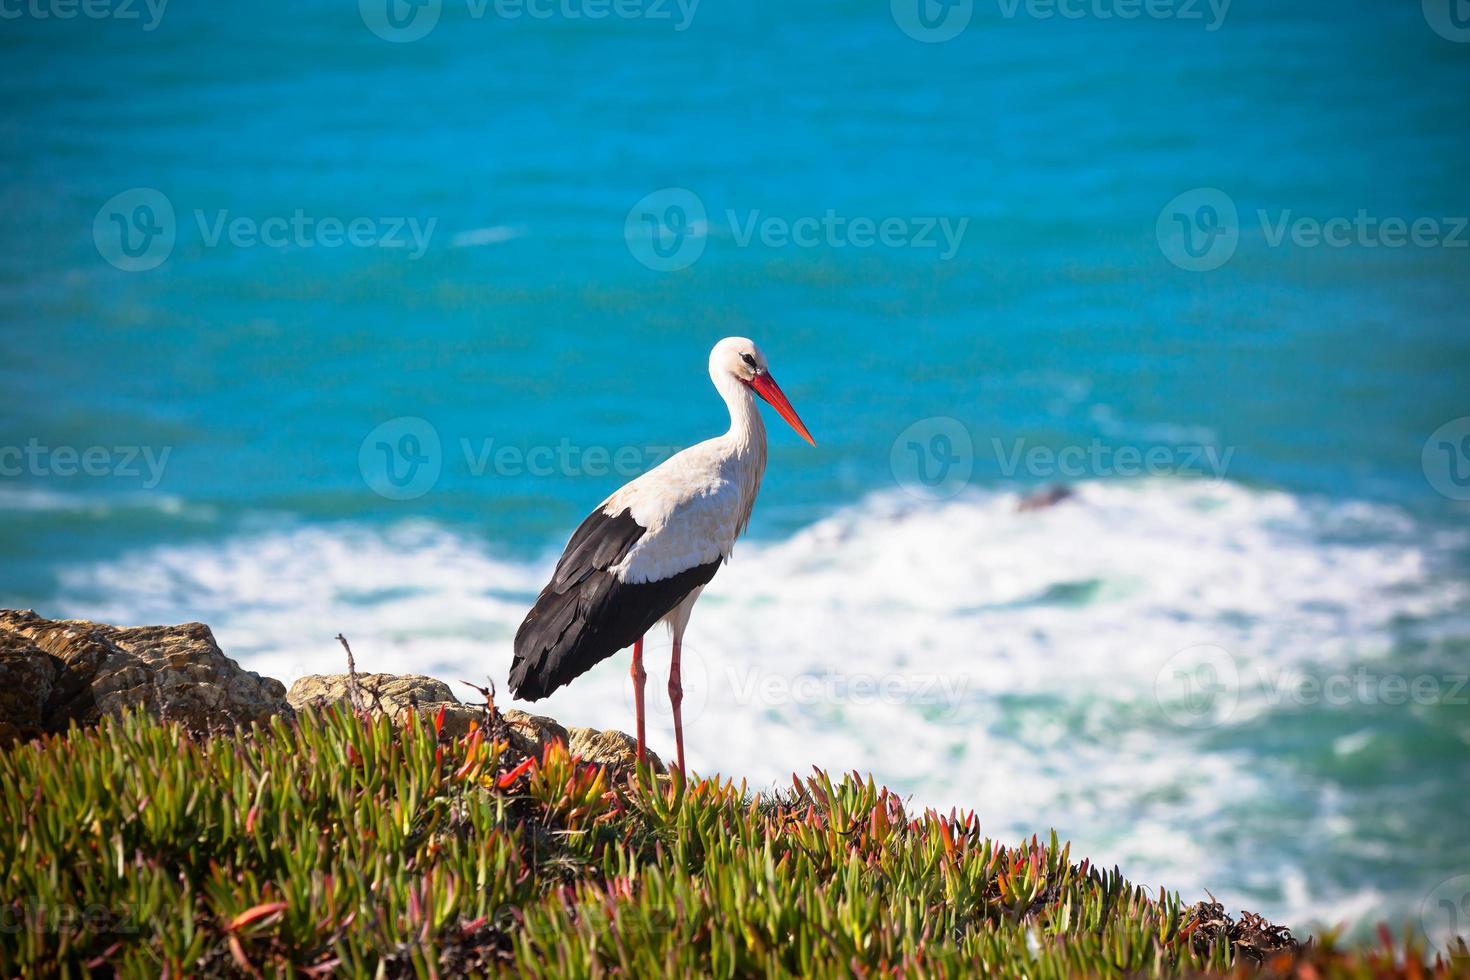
<point x="748" y="359"/>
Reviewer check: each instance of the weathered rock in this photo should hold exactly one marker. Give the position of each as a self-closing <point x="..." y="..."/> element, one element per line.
<point x="27" y="676"/>
<point x="614" y="749"/>
<point x="532" y="733"/>
<point x="56" y="672"/>
<point x="394" y="694"/>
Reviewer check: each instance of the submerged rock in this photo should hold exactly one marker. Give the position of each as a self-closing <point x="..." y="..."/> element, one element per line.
<point x="55" y="672"/>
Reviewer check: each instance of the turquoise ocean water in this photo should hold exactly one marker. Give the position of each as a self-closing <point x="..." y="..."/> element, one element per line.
<point x="337" y="317"/>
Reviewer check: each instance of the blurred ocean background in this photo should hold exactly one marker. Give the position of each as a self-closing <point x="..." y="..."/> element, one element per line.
<point x="1123" y="666"/>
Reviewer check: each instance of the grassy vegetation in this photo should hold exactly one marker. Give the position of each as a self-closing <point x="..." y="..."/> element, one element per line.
<point x="338" y="845"/>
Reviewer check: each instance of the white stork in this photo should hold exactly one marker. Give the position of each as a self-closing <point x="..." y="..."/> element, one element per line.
<point x="647" y="551"/>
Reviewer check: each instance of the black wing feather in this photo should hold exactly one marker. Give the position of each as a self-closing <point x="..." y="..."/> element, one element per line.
<point x="585" y="615"/>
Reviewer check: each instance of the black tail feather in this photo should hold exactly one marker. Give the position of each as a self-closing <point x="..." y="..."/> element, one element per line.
<point x="577" y="624"/>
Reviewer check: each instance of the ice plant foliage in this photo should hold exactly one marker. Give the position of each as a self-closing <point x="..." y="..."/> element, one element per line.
<point x="338" y="845"/>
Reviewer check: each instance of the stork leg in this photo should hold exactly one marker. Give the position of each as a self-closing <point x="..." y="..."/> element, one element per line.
<point x="639" y="677"/>
<point x="676" y="698"/>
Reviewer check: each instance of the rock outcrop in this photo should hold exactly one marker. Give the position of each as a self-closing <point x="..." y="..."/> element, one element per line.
<point x="56" y="672"/>
<point x="612" y="748"/>
<point x="393" y="694"/>
<point x="397" y="694"/>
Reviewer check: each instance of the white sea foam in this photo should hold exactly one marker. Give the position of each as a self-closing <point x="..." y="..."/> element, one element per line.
<point x="37" y="500"/>
<point x="961" y="651"/>
<point x="492" y="235"/>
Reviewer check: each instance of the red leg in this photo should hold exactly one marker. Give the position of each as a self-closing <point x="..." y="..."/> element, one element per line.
<point x="639" y="676"/>
<point x="676" y="698"/>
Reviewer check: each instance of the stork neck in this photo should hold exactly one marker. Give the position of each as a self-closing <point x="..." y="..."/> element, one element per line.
<point x="747" y="432"/>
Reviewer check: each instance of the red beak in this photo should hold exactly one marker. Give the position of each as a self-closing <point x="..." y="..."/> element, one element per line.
<point x="766" y="387"/>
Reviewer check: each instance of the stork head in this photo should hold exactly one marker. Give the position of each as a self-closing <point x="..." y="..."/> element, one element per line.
<point x="740" y="359"/>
